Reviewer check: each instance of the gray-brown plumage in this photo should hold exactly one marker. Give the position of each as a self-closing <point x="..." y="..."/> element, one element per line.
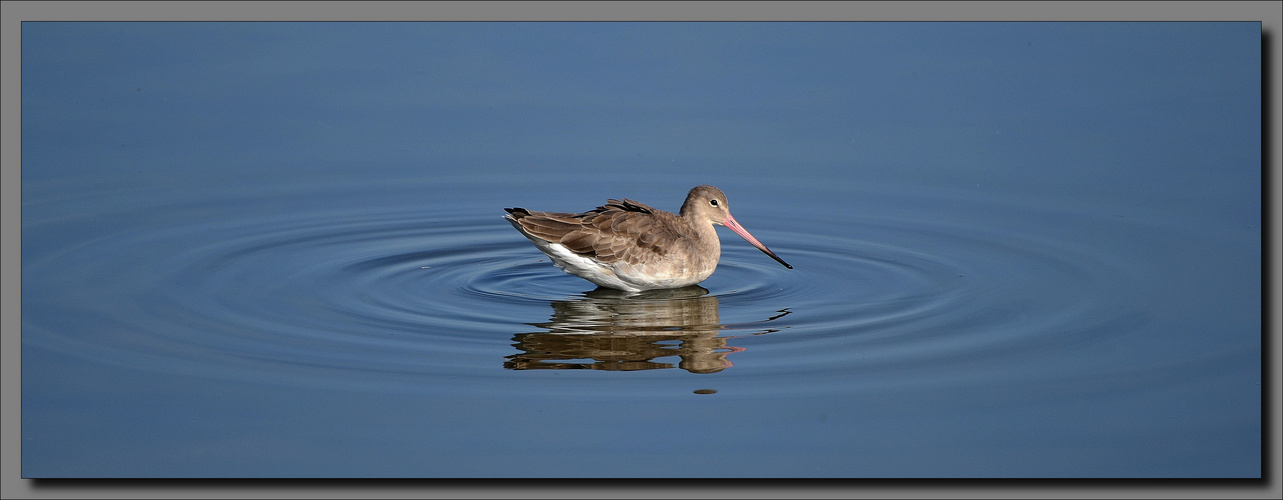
<point x="631" y="246"/>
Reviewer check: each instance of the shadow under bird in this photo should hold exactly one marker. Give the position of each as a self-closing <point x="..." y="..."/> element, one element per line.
<point x="630" y="246"/>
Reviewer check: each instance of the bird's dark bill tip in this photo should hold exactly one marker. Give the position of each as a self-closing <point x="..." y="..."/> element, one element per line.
<point x="777" y="258"/>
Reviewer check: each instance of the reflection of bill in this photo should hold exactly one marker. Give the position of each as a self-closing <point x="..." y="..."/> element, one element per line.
<point x="611" y="330"/>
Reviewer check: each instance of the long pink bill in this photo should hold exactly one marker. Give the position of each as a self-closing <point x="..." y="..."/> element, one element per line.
<point x="735" y="226"/>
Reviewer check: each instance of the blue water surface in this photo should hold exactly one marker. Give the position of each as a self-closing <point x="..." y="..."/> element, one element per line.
<point x="275" y="250"/>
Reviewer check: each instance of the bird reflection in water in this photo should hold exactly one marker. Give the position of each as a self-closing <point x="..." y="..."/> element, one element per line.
<point x="621" y="331"/>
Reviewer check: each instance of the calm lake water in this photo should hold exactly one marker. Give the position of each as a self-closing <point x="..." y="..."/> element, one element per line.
<point x="276" y="250"/>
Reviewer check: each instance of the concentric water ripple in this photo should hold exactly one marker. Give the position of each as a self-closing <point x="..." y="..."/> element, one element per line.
<point x="383" y="288"/>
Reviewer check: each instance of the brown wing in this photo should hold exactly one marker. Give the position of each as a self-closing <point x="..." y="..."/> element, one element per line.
<point x="626" y="231"/>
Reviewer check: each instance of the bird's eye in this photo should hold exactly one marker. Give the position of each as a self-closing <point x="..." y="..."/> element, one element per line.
<point x="712" y="202"/>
